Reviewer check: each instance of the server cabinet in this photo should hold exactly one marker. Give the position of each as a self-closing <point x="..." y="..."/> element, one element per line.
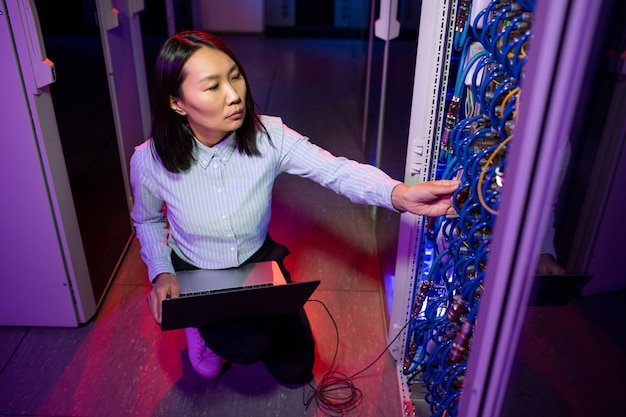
<point x="497" y="87"/>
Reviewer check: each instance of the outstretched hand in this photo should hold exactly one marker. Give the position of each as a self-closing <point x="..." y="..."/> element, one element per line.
<point x="431" y="198"/>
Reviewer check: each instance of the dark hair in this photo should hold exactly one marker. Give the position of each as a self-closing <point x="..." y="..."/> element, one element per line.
<point x="172" y="137"/>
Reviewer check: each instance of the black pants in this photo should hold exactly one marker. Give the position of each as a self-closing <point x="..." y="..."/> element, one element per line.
<point x="284" y="343"/>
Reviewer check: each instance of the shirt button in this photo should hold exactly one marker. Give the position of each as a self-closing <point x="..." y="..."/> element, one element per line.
<point x="232" y="248"/>
<point x="219" y="190"/>
<point x="223" y="216"/>
<point x="215" y="166"/>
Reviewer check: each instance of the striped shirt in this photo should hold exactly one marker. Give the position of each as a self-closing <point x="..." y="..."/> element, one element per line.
<point x="217" y="212"/>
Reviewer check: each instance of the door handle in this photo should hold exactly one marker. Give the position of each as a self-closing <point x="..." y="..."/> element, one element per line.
<point x="387" y="26"/>
<point x="43" y="68"/>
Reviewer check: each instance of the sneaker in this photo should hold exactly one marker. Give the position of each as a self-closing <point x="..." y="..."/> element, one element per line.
<point x="203" y="360"/>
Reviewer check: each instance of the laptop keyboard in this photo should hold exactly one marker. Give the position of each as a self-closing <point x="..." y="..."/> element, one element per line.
<point x="245" y="287"/>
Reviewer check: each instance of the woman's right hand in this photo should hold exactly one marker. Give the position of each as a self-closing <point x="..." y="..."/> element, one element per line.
<point x="165" y="286"/>
<point x="547" y="265"/>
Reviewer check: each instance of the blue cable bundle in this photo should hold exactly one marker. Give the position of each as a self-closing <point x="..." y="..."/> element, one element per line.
<point x="478" y="128"/>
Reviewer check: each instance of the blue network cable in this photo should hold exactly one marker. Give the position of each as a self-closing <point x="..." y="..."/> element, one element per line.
<point x="478" y="127"/>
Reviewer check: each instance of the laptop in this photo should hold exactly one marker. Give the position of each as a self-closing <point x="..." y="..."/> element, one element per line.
<point x="212" y="297"/>
<point x="557" y="290"/>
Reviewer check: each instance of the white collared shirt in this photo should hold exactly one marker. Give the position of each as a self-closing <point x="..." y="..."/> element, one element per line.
<point x="218" y="211"/>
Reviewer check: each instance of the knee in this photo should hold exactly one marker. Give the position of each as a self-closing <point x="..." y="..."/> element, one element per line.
<point x="250" y="348"/>
<point x="293" y="368"/>
<point x="243" y="344"/>
<point x="292" y="374"/>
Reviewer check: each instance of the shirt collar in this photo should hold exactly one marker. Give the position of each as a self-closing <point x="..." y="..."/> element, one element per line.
<point x="221" y="151"/>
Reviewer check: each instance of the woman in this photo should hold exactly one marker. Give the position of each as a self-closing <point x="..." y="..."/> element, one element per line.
<point x="202" y="187"/>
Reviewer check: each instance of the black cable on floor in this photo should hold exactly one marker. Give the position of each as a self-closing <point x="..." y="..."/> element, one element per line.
<point x="336" y="394"/>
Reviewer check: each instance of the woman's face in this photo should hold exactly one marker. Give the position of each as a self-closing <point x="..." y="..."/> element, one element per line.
<point x="213" y="95"/>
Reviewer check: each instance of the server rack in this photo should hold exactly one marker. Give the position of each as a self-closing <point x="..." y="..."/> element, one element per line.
<point x="65" y="155"/>
<point x="493" y="96"/>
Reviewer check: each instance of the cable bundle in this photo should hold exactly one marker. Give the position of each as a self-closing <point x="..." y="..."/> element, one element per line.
<point x="477" y="132"/>
<point x="336" y="394"/>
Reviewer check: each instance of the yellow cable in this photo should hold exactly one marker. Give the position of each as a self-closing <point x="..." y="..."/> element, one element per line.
<point x="508" y="96"/>
<point x="481" y="178"/>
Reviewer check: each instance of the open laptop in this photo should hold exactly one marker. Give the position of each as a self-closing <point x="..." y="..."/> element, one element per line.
<point x="557" y="290"/>
<point x="210" y="297"/>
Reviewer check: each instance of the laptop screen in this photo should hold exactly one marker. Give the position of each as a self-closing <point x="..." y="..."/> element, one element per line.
<point x="222" y="296"/>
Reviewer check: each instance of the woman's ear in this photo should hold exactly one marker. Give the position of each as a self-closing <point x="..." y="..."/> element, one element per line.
<point x="175" y="105"/>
